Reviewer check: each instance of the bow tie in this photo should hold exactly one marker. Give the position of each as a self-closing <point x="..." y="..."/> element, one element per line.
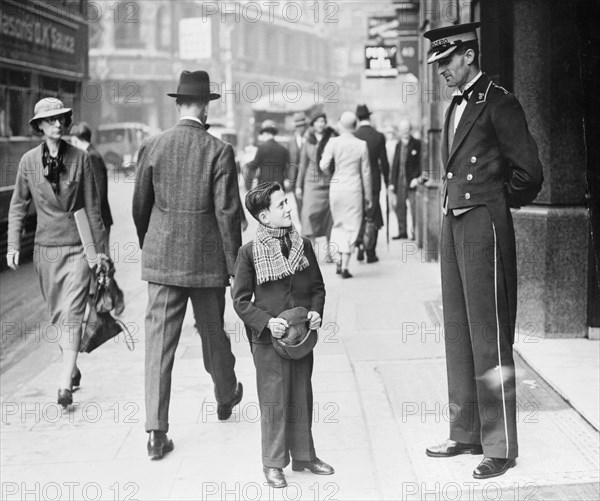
<point x="457" y="100"/>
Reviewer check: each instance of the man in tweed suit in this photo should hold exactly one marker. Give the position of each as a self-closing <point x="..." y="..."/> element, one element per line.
<point x="186" y="209"/>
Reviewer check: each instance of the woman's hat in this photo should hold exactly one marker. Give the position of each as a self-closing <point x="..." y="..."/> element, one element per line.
<point x="317" y="115"/>
<point x="194" y="84"/>
<point x="49" y="107"/>
<point x="269" y="127"/>
<point x="298" y="341"/>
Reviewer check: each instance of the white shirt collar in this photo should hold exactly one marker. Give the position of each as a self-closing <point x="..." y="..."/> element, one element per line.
<point x="469" y="84"/>
<point x="190" y="117"/>
<point x="364" y="122"/>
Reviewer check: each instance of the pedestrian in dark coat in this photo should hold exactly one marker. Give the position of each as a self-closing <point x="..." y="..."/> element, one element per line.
<point x="276" y="272"/>
<point x="404" y="178"/>
<point x="272" y="160"/>
<point x="296" y="144"/>
<point x="379" y="165"/>
<point x="59" y="180"/>
<point x="81" y="136"/>
<point x="186" y="209"/>
<point x="491" y="165"/>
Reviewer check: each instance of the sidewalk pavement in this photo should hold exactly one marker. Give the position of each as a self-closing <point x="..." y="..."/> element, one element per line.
<point x="379" y="399"/>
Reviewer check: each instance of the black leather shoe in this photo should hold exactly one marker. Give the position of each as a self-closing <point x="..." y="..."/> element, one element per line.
<point x="451" y="448"/>
<point x="316" y="466"/>
<point x="76" y="379"/>
<point x="402" y="235"/>
<point x="224" y="410"/>
<point x="275" y="477"/>
<point x="346" y="273"/>
<point x="372" y="257"/>
<point x="65" y="397"/>
<point x="360" y="256"/>
<point x="493" y="467"/>
<point x="159" y="444"/>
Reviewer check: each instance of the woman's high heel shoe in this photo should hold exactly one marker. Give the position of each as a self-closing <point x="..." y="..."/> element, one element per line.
<point x="65" y="397"/>
<point x="76" y="379"/>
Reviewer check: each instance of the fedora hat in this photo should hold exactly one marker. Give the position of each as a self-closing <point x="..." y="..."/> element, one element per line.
<point x="362" y="112"/>
<point x="298" y="341"/>
<point x="194" y="84"/>
<point x="299" y="119"/>
<point x="49" y="107"/>
<point x="268" y="126"/>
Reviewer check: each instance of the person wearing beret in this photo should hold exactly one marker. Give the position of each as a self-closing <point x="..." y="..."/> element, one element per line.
<point x="491" y="167"/>
<point x="272" y="160"/>
<point x="186" y="210"/>
<point x="274" y="273"/>
<point x="58" y="178"/>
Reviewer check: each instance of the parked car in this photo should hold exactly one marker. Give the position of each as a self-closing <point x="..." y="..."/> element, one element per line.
<point x="119" y="143"/>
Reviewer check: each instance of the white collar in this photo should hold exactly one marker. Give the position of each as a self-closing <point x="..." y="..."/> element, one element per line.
<point x="364" y="122"/>
<point x="190" y="117"/>
<point x="468" y="86"/>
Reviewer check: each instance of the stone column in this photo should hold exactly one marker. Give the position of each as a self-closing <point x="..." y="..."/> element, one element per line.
<point x="552" y="234"/>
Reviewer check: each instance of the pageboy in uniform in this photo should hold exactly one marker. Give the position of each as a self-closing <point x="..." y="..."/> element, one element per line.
<point x="491" y="165"/>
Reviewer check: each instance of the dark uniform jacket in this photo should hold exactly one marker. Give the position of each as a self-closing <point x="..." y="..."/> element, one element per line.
<point x="186" y="208"/>
<point x="99" y="168"/>
<point x="55" y="212"/>
<point x="271" y="161"/>
<point x="304" y="288"/>
<point x="412" y="169"/>
<point x="493" y="154"/>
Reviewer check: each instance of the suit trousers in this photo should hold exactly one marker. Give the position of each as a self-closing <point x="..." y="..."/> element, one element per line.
<point x="401" y="194"/>
<point x="286" y="402"/>
<point x="164" y="319"/>
<point x="478" y="335"/>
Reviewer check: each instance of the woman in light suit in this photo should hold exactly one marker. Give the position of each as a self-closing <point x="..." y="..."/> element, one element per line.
<point x="59" y="180"/>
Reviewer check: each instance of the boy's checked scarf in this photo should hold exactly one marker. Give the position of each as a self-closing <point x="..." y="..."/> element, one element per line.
<point x="269" y="261"/>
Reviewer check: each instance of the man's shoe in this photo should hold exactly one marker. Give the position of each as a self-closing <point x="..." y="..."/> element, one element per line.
<point x="372" y="257"/>
<point x="451" y="448"/>
<point x="65" y="397"/>
<point x="275" y="477"/>
<point x="316" y="466"/>
<point x="159" y="444"/>
<point x="224" y="410"/>
<point x="346" y="273"/>
<point x="360" y="256"/>
<point x="402" y="235"/>
<point x="493" y="467"/>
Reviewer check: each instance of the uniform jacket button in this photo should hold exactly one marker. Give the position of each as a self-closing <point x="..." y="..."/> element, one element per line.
<point x="469" y="177"/>
<point x="449" y="176"/>
<point x="467" y="196"/>
<point x="473" y="160"/>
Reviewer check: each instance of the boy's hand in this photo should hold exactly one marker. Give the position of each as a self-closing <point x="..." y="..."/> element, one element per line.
<point x="277" y="326"/>
<point x="314" y="320"/>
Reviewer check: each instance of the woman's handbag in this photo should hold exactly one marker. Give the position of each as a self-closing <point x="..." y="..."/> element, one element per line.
<point x="100" y="325"/>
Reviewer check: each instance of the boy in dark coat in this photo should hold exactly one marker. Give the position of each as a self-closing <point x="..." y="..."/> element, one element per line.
<point x="274" y="273"/>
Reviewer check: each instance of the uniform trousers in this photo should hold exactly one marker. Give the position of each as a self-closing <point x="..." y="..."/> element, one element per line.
<point x="164" y="318"/>
<point x="286" y="402"/>
<point x="478" y="332"/>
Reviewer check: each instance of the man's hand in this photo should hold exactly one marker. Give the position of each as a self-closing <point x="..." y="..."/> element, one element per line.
<point x="414" y="182"/>
<point x="277" y="326"/>
<point x="12" y="259"/>
<point x="314" y="320"/>
<point x="299" y="193"/>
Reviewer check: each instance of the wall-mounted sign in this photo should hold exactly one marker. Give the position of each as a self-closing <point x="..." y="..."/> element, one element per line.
<point x="380" y="61"/>
<point x="408" y="55"/>
<point x="382" y="27"/>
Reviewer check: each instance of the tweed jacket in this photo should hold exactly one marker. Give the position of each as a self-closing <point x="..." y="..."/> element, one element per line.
<point x="100" y="174"/>
<point x="377" y="155"/>
<point x="55" y="213"/>
<point x="493" y="154"/>
<point x="257" y="304"/>
<point x="186" y="208"/>
<point x="271" y="161"/>
<point x="412" y="168"/>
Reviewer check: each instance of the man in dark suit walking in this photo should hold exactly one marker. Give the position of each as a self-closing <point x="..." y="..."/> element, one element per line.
<point x="295" y="146"/>
<point x="272" y="159"/>
<point x="491" y="165"/>
<point x="379" y="165"/>
<point x="406" y="170"/>
<point x="81" y="137"/>
<point x="186" y="209"/>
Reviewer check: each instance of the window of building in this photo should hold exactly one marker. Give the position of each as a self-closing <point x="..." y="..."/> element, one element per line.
<point x="127" y="25"/>
<point x="163" y="29"/>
